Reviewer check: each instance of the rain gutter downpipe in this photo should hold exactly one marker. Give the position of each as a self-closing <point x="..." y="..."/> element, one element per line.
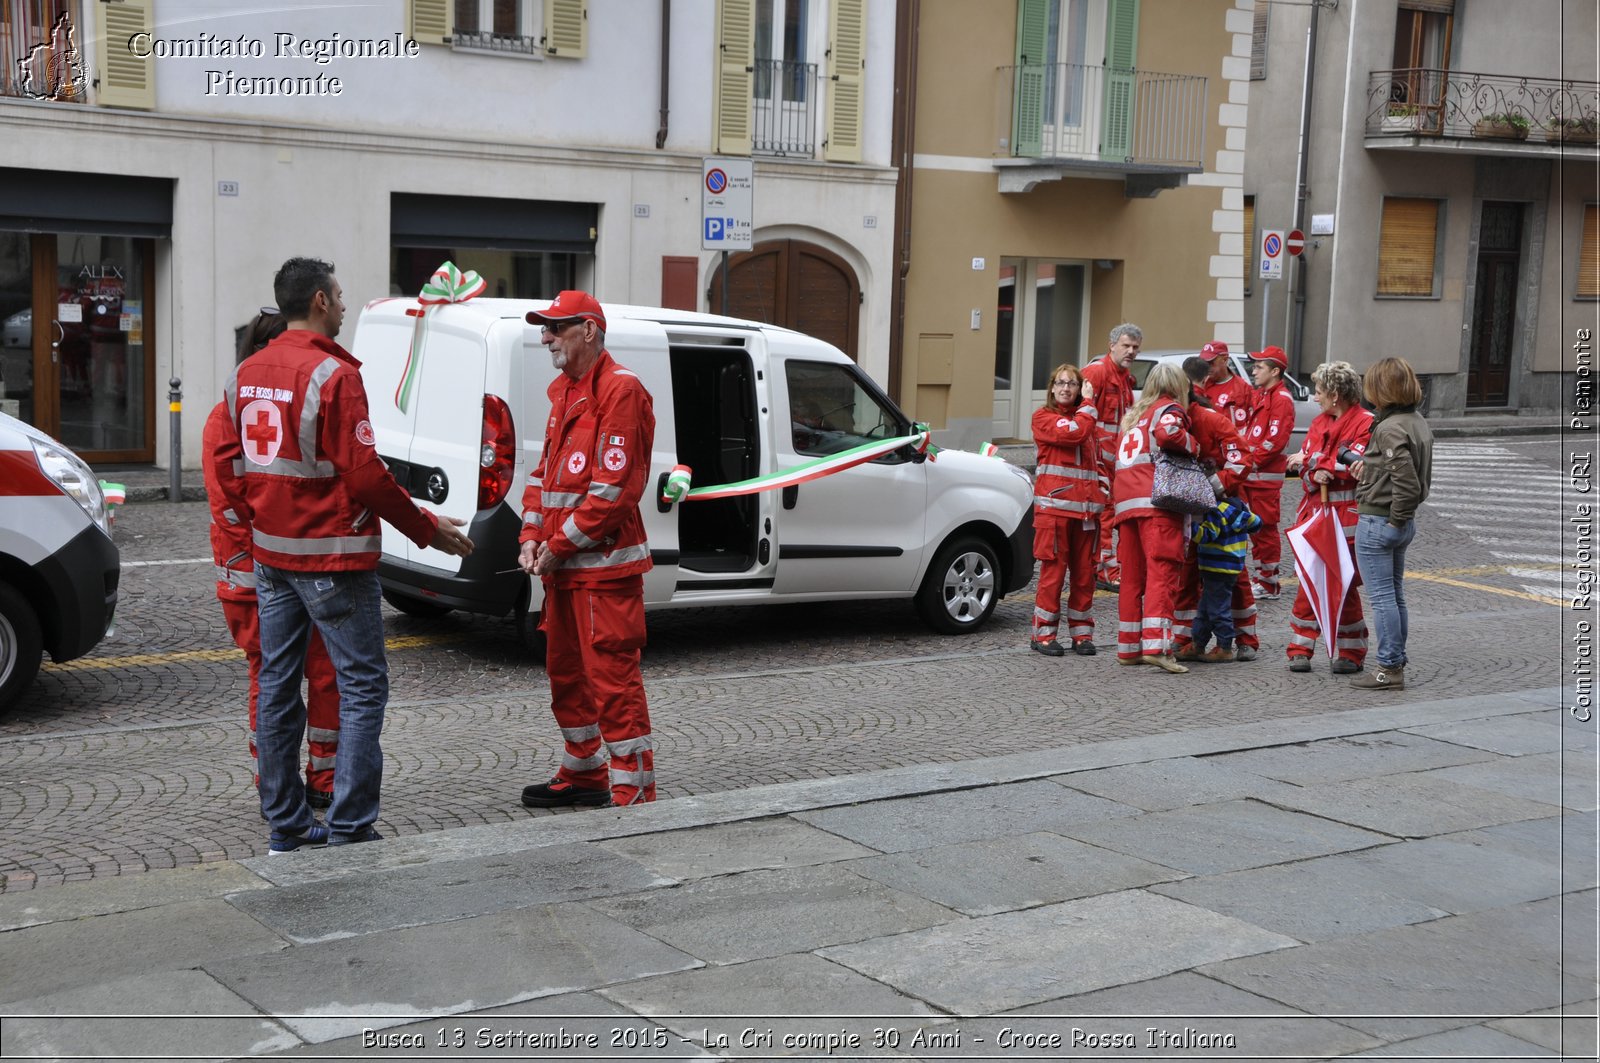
<point x="1294" y="305"/>
<point x="666" y="68"/>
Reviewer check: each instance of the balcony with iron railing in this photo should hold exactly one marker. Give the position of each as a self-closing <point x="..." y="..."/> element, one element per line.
<point x="783" y="115"/>
<point x="1056" y="119"/>
<point x="1481" y="114"/>
<point x="497" y="43"/>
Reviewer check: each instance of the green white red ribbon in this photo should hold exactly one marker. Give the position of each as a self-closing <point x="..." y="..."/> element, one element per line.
<point x="988" y="450"/>
<point x="116" y="494"/>
<point x="678" y="489"/>
<point x="449" y="284"/>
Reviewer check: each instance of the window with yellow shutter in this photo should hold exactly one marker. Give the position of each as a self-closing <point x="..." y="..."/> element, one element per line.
<point x="1408" y="247"/>
<point x="1589" y="255"/>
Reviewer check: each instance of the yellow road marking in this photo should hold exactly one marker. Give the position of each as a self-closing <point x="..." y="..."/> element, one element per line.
<point x="1430" y="578"/>
<point x="138" y="660"/>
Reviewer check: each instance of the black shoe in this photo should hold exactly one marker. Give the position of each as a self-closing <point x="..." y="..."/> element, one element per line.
<point x="1049" y="649"/>
<point x="369" y="835"/>
<point x="319" y="798"/>
<point x="558" y="794"/>
<point x="1084" y="648"/>
<point x="1106" y="585"/>
<point x="1300" y="664"/>
<point x="1344" y="667"/>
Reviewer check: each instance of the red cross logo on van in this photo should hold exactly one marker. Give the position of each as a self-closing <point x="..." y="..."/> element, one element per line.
<point x="262" y="427"/>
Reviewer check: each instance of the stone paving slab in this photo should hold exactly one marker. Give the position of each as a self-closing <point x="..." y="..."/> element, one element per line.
<point x="1227" y="836"/>
<point x="105" y="896"/>
<point x="567" y="1026"/>
<point x="391" y="978"/>
<point x="1356" y="757"/>
<point x="964" y="815"/>
<point x="442" y="891"/>
<point x="728" y="848"/>
<point x="1570" y="1030"/>
<point x="1566" y="842"/>
<point x="1540" y="732"/>
<point x="760" y="914"/>
<point x="154" y="1014"/>
<point x="1165" y="784"/>
<point x="1260" y="1026"/>
<point x="1390" y="885"/>
<point x="1004" y="874"/>
<point x="756" y="1006"/>
<point x="1567" y="779"/>
<point x="981" y="966"/>
<point x="1414" y="806"/>
<point x="41" y="960"/>
<point x="1415" y="980"/>
<point x="1467" y="1044"/>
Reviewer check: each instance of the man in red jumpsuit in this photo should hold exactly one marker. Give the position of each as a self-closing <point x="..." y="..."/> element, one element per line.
<point x="1112" y="387"/>
<point x="1231" y="395"/>
<point x="1266" y="442"/>
<point x="583" y="535"/>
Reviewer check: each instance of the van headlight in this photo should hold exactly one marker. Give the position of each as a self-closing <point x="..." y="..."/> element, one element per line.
<point x="75" y="479"/>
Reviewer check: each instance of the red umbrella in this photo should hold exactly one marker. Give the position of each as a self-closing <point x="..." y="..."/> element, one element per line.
<point x="1324" y="565"/>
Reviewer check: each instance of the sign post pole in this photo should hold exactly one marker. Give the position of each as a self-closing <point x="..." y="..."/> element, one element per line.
<point x="727" y="204"/>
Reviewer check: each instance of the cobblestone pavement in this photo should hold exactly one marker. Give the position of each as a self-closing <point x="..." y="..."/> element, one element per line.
<point x="135" y="757"/>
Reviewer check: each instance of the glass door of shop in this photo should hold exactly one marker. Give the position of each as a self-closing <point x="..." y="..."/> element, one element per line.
<point x="76" y="357"/>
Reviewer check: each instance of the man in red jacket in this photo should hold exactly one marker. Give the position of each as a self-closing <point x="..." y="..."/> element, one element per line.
<point x="1266" y="442"/>
<point x="315" y="490"/>
<point x="582" y="535"/>
<point x="1228" y="392"/>
<point x="1112" y="387"/>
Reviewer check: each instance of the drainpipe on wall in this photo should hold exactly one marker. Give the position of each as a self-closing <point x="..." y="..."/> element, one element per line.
<point x="903" y="138"/>
<point x="666" y="66"/>
<point x="1294" y="325"/>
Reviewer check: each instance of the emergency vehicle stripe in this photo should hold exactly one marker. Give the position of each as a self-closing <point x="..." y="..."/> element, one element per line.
<point x="609" y="492"/>
<point x="577" y="735"/>
<point x="570" y="529"/>
<point x="321" y="734"/>
<point x="624" y="556"/>
<point x="562" y="500"/>
<point x="333" y="544"/>
<point x="1067" y="472"/>
<point x="627" y="747"/>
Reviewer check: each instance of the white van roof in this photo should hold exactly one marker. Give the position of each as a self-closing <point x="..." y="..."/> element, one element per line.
<point x="495" y="309"/>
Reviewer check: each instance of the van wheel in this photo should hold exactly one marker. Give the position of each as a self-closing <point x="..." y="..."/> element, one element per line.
<point x="961" y="588"/>
<point x="415" y="606"/>
<point x="21" y="645"/>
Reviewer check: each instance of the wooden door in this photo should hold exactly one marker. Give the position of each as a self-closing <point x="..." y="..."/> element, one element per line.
<point x="796" y="285"/>
<point x="1494" y="311"/>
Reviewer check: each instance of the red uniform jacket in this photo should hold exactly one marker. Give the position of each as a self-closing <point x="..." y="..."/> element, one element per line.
<point x="1219" y="444"/>
<point x="312" y="481"/>
<point x="1326" y="437"/>
<point x="1164" y="425"/>
<point x="1267" y="432"/>
<point x="1068" y="483"/>
<point x="230" y="531"/>
<point x="1232" y="397"/>
<point x="583" y="497"/>
<point x="1113" y="394"/>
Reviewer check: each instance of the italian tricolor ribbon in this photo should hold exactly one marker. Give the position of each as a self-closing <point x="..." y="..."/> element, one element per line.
<point x="449" y="284"/>
<point x="677" y="487"/>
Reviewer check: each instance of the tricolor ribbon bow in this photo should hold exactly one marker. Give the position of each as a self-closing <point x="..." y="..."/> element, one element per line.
<point x="678" y="486"/>
<point x="449" y="284"/>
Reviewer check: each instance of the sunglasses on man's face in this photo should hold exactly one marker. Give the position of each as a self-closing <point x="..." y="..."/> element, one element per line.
<point x="555" y="327"/>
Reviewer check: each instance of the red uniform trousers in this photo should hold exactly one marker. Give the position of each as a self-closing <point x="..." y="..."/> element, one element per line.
<point x="1151" y="549"/>
<point x="1064" y="546"/>
<point x="594" y="632"/>
<point x="1107" y="567"/>
<point x="1185" y="607"/>
<point x="1265" y="500"/>
<point x="1350" y="639"/>
<point x="322" y="691"/>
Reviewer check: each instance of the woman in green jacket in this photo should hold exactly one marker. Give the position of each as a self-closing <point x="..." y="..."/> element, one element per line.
<point x="1394" y="478"/>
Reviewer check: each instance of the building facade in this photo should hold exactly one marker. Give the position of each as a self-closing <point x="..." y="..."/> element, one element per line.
<point x="1448" y="193"/>
<point x="1085" y="169"/>
<point x="163" y="157"/>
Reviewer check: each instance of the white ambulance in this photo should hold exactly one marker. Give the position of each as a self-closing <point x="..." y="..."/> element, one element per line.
<point x="58" y="566"/>
<point x="459" y="408"/>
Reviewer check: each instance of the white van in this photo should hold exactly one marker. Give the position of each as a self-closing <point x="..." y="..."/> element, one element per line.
<point x="733" y="400"/>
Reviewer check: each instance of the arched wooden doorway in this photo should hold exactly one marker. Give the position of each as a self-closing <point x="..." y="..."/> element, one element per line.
<point x="796" y="285"/>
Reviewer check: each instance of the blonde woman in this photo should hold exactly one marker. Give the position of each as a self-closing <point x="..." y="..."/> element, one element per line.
<point x="1151" y="541"/>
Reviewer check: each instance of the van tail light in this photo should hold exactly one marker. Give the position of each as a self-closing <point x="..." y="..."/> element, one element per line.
<point x="497" y="458"/>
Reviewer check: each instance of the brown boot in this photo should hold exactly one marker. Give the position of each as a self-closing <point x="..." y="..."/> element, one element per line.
<point x="1189" y="652"/>
<point x="1217" y="655"/>
<point x="1381" y="677"/>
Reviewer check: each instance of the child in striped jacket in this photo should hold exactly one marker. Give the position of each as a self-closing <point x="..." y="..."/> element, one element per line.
<point x="1221" y="538"/>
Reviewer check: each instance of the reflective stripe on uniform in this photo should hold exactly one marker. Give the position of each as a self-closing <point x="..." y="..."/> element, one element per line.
<point x="1066" y="506"/>
<point x="1067" y="472"/>
<point x="570" y="529"/>
<point x="643" y="778"/>
<point x="609" y="492"/>
<point x="597" y="759"/>
<point x="236" y="577"/>
<point x="333" y="544"/>
<point x="626" y="555"/>
<point x="321" y="734"/>
<point x="561" y="500"/>
<point x="1259" y="477"/>
<point x="323" y="763"/>
<point x="1133" y="503"/>
<point x="628" y="747"/>
<point x="581" y="734"/>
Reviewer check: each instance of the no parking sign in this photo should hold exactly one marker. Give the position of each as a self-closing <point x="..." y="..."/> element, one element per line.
<point x="1272" y="255"/>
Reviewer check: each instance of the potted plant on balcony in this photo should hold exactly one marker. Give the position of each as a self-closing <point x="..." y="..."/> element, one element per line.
<point x="1401" y="118"/>
<point x="1504" y="126"/>
<point x="1573" y="130"/>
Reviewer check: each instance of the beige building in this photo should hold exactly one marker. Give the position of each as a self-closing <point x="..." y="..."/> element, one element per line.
<point x="1450" y="181"/>
<point x="1073" y="164"/>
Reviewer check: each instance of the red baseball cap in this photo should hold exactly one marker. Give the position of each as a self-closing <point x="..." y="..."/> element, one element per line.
<point x="1214" y="350"/>
<point x="568" y="307"/>
<point x="1274" y="355"/>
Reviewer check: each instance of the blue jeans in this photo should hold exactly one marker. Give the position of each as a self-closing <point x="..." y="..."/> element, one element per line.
<point x="1381" y="556"/>
<point x="346" y="609"/>
<point x="1214" y="612"/>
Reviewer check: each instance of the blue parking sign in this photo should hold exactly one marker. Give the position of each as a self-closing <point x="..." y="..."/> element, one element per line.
<point x="714" y="229"/>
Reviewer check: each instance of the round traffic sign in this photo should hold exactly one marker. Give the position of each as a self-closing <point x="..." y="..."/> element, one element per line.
<point x="1295" y="242"/>
<point x="716" y="181"/>
<point x="1271" y="246"/>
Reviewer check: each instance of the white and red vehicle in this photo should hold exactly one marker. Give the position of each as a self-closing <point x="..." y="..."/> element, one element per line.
<point x="58" y="566"/>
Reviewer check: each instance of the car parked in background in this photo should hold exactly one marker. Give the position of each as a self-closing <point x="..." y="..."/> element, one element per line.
<point x="1305" y="407"/>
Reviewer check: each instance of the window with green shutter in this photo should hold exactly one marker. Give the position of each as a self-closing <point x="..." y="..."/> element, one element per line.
<point x="1122" y="39"/>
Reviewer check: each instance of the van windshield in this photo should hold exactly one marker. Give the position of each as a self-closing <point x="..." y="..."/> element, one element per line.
<point x="831" y="411"/>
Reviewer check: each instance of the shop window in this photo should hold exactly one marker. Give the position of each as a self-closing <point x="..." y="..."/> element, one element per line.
<point x="510" y="274"/>
<point x="1408" y="247"/>
<point x="1589" y="254"/>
